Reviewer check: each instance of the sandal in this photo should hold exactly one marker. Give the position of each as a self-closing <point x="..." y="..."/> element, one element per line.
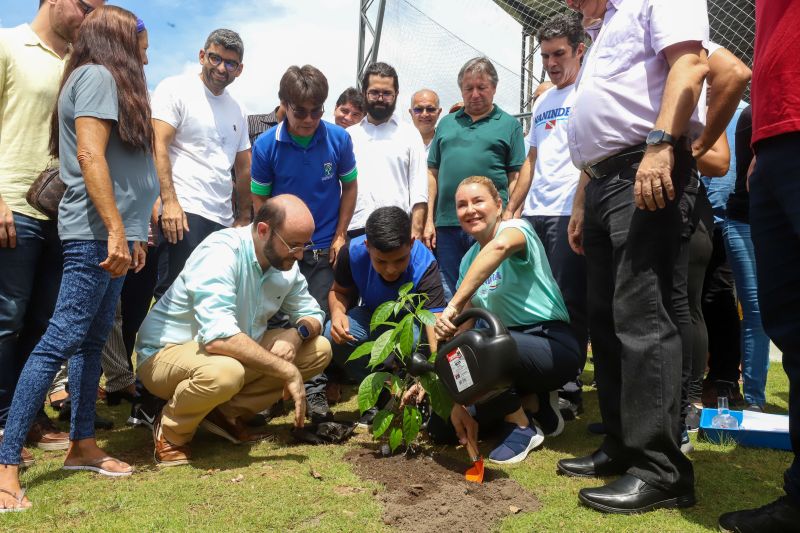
<point x="94" y="466"/>
<point x="19" y="497"/>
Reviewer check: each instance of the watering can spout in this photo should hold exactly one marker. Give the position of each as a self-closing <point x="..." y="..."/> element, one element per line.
<point x="418" y="365"/>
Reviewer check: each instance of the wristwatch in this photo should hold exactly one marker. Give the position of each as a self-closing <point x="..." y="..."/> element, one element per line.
<point x="303" y="331"/>
<point x="657" y="137"/>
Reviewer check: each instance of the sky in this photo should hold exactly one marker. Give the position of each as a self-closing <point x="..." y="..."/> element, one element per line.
<point x="427" y="41"/>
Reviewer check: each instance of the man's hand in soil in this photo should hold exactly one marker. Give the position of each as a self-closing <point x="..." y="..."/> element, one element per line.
<point x="297" y="390"/>
<point x="466" y="427"/>
<point x="413" y="396"/>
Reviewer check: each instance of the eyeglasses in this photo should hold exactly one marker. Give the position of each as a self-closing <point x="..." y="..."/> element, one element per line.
<point x="294" y="249"/>
<point x="375" y="95"/>
<point x="83" y="6"/>
<point x="419" y="110"/>
<point x="301" y="112"/>
<point x="230" y="64"/>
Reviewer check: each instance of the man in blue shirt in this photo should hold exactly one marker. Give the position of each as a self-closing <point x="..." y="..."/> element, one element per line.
<point x="206" y="348"/>
<point x="373" y="267"/>
<point x="310" y="158"/>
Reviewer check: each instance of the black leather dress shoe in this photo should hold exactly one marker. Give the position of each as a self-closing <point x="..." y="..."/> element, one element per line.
<point x="629" y="494"/>
<point x="596" y="465"/>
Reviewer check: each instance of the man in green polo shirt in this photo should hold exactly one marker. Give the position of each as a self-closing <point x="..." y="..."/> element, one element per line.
<point x="479" y="140"/>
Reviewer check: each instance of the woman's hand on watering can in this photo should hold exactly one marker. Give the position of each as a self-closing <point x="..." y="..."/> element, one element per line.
<point x="466" y="427"/>
<point x="444" y="327"/>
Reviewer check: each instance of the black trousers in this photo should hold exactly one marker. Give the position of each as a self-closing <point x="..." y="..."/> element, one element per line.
<point x="172" y="257"/>
<point x="318" y="272"/>
<point x="631" y="255"/>
<point x="721" y="314"/>
<point x="775" y="225"/>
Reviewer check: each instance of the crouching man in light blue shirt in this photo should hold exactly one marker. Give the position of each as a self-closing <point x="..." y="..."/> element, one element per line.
<point x="205" y="347"/>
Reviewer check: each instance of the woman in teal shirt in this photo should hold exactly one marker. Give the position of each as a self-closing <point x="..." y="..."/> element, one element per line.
<point x="506" y="272"/>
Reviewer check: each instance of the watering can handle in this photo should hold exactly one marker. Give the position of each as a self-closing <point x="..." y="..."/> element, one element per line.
<point x="495" y="325"/>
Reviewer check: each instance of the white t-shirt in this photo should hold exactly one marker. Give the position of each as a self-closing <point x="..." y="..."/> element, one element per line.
<point x="555" y="178"/>
<point x="210" y="131"/>
<point x="392" y="167"/>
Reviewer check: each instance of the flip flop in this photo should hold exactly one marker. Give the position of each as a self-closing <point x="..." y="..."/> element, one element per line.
<point x="19" y="501"/>
<point x="94" y="466"/>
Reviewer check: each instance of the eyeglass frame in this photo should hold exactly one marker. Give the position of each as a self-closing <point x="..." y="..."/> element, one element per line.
<point x="374" y="95"/>
<point x="429" y="109"/>
<point x="294" y="249"/>
<point x="303" y="113"/>
<point x="230" y="64"/>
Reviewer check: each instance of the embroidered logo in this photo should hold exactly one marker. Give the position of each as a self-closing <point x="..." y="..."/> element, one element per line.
<point x="327" y="168"/>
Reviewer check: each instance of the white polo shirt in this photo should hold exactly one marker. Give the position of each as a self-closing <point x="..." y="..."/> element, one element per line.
<point x="392" y="167"/>
<point x="210" y="131"/>
<point x="621" y="83"/>
<point x="555" y="178"/>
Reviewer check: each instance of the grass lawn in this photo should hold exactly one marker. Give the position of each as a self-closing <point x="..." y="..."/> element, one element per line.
<point x="269" y="486"/>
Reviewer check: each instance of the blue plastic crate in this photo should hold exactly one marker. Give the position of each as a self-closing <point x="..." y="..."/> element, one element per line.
<point x="777" y="440"/>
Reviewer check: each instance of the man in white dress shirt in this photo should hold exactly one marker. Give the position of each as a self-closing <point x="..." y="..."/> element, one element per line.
<point x="634" y="112"/>
<point x="390" y="154"/>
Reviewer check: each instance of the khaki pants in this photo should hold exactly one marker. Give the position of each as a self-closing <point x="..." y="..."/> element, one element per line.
<point x="195" y="382"/>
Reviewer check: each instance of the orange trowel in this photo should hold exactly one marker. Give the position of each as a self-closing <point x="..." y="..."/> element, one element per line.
<point x="475" y="472"/>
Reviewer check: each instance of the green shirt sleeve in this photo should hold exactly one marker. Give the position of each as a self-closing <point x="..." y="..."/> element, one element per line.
<point x="260" y="188"/>
<point x="350" y="176"/>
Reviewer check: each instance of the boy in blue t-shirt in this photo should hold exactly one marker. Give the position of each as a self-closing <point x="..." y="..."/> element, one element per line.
<point x="374" y="267"/>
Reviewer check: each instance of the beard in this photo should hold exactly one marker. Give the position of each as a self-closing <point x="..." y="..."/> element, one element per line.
<point x="275" y="260"/>
<point x="380" y="112"/>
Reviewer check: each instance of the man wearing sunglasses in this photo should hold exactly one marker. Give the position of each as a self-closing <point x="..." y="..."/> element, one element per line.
<point x="32" y="58"/>
<point x="313" y="160"/>
<point x="390" y="154"/>
<point x="201" y="134"/>
<point x="207" y="347"/>
<point x="425" y="113"/>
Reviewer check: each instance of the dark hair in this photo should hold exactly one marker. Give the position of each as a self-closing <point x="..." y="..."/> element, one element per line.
<point x="108" y="37"/>
<point x="228" y="39"/>
<point x="301" y="84"/>
<point x="479" y="65"/>
<point x="352" y="96"/>
<point x="563" y="25"/>
<point x="272" y="213"/>
<point x="41" y="2"/>
<point x="388" y="228"/>
<point x="383" y="70"/>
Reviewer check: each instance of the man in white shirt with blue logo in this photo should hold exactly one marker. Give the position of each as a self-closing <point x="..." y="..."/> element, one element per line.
<point x="205" y="346"/>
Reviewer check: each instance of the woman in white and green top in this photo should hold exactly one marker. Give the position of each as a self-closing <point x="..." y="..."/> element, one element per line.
<point x="506" y="272"/>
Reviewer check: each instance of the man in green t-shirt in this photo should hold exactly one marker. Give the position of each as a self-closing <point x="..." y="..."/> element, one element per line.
<point x="478" y="140"/>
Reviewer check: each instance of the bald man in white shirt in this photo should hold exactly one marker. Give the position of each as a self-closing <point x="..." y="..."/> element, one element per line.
<point x="634" y="114"/>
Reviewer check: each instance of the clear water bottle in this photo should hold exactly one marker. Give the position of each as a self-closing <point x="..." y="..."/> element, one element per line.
<point x="723" y="419"/>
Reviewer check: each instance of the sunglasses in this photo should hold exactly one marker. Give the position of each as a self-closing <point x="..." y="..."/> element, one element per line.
<point x="230" y="64"/>
<point x="301" y="112"/>
<point x="419" y="110"/>
<point x="294" y="249"/>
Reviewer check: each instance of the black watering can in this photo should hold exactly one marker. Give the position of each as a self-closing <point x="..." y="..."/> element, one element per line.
<point x="474" y="364"/>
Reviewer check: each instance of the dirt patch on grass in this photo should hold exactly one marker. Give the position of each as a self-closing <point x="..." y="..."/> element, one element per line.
<point x="428" y="493"/>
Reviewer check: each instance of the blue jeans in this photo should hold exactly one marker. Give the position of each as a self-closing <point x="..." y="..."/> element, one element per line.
<point x="775" y="226"/>
<point x="452" y="243"/>
<point x="355" y="371"/>
<point x="77" y="332"/>
<point x="755" y="343"/>
<point x="29" y="273"/>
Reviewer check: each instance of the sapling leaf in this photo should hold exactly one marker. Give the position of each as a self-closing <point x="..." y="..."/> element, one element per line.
<point x="361" y="351"/>
<point x="405" y="288"/>
<point x="370" y="389"/>
<point x="397" y="385"/>
<point x="426" y="317"/>
<point x="405" y="336"/>
<point x="395" y="438"/>
<point x="382" y="348"/>
<point x="381" y="422"/>
<point x="412" y="421"/>
<point x="381" y="314"/>
<point x="397" y="307"/>
<point x="441" y="403"/>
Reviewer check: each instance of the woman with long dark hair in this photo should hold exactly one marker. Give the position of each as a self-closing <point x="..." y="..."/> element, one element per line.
<point x="102" y="134"/>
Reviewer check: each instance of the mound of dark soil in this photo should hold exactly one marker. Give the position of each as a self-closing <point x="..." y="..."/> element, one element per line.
<point x="429" y="493"/>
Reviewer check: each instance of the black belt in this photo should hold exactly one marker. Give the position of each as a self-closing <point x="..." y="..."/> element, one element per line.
<point x="611" y="166"/>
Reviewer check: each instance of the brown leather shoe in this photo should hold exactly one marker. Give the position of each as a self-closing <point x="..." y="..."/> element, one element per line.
<point x="236" y="432"/>
<point x="26" y="457"/>
<point x="46" y="436"/>
<point x="166" y="453"/>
